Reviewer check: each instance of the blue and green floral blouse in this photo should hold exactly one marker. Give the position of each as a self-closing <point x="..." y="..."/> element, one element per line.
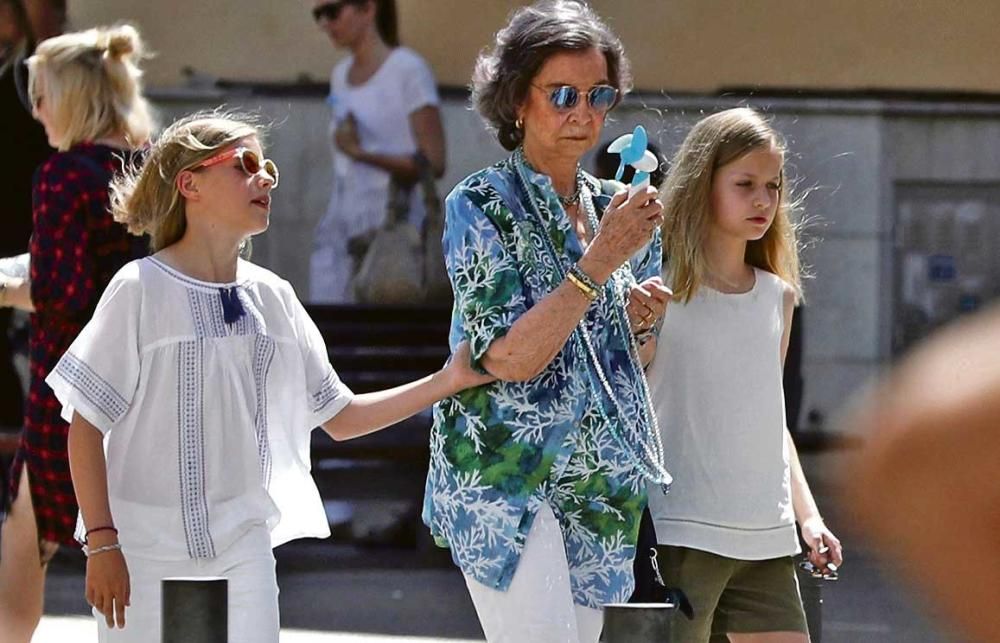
<point x="499" y="451"/>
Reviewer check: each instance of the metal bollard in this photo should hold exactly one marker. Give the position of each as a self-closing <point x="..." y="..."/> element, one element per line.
<point x="195" y="610"/>
<point x="637" y="622"/>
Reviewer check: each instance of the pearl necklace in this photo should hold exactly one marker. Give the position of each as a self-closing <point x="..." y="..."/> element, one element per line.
<point x="648" y="458"/>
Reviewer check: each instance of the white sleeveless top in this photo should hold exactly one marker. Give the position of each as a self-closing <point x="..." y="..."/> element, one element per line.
<point x="716" y="384"/>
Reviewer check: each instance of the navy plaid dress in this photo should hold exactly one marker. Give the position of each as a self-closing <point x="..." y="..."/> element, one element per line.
<point x="76" y="248"/>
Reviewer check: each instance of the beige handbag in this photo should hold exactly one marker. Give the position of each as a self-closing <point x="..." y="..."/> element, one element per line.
<point x="399" y="264"/>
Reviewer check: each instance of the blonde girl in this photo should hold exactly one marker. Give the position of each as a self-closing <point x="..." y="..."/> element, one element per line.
<point x="201" y="377"/>
<point x="86" y="90"/>
<point x="726" y="531"/>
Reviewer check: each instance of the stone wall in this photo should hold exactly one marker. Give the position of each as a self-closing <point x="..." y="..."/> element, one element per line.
<point x="849" y="155"/>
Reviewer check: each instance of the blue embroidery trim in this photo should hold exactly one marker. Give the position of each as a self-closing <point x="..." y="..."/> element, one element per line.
<point x="209" y="315"/>
<point x="328" y="391"/>
<point x="191" y="454"/>
<point x="92" y="386"/>
<point x="263" y="354"/>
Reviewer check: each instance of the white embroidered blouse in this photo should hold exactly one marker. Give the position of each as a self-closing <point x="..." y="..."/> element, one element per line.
<point x="206" y="423"/>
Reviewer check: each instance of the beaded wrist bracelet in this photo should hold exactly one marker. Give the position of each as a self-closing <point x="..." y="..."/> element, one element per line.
<point x="88" y="552"/>
<point x="578" y="272"/>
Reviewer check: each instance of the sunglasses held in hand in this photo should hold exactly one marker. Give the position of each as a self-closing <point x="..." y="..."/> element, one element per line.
<point x="249" y="162"/>
<point x="830" y="573"/>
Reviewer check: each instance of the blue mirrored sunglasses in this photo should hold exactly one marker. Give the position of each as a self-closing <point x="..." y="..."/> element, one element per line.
<point x="601" y="98"/>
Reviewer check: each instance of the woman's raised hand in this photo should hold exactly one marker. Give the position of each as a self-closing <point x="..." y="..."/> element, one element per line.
<point x="626" y="227"/>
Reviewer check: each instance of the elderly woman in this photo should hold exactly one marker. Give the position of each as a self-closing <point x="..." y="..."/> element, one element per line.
<point x="537" y="481"/>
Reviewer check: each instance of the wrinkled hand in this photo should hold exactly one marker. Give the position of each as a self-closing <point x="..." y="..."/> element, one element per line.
<point x="460" y="371"/>
<point x="824" y="547"/>
<point x="108" y="587"/>
<point x="346" y="137"/>
<point x="647" y="302"/>
<point x="626" y="227"/>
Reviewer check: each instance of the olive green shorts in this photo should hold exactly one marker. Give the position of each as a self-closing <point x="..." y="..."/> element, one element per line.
<point x="730" y="595"/>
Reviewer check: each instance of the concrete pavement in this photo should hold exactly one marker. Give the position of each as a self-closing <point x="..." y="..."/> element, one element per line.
<point x="339" y="593"/>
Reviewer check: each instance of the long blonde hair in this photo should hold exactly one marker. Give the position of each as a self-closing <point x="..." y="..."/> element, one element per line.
<point x="713" y="142"/>
<point x="92" y="85"/>
<point x="146" y="198"/>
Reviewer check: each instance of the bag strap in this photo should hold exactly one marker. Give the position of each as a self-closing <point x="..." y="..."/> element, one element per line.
<point x="428" y="184"/>
<point x="398" y="205"/>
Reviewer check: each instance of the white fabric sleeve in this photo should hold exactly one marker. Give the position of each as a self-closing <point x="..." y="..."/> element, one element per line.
<point x="98" y="375"/>
<point x="419" y="86"/>
<point x="326" y="395"/>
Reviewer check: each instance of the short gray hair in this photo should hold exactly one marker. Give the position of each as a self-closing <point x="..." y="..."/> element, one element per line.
<point x="503" y="76"/>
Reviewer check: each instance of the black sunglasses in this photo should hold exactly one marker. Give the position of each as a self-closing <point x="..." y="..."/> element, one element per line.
<point x="601" y="98"/>
<point x="331" y="10"/>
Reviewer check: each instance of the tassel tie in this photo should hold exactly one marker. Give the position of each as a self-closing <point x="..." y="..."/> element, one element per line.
<point x="232" y="307"/>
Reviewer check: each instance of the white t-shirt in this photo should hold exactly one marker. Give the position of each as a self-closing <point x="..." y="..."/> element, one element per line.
<point x="716" y="385"/>
<point x="206" y="423"/>
<point x="381" y="107"/>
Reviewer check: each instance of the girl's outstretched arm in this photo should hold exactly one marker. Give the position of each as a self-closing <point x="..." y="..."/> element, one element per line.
<point x="107" y="586"/>
<point x="369" y="412"/>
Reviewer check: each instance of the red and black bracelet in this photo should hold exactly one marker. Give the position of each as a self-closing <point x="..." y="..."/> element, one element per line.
<point x="86" y="536"/>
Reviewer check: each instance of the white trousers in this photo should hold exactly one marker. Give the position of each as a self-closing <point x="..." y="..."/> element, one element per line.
<point x="538" y="606"/>
<point x="253" y="592"/>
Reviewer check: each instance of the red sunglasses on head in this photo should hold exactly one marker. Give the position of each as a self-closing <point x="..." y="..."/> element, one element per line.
<point x="249" y="161"/>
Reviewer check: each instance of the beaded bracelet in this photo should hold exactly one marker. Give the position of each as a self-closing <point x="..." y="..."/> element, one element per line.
<point x="587" y="291"/>
<point x="88" y="552"/>
<point x="578" y="272"/>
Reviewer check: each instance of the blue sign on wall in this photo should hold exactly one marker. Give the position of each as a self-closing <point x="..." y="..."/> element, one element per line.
<point x="968" y="304"/>
<point x="941" y="268"/>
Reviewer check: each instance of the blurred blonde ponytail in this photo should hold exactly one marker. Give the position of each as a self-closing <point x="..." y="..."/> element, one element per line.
<point x="92" y="85"/>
